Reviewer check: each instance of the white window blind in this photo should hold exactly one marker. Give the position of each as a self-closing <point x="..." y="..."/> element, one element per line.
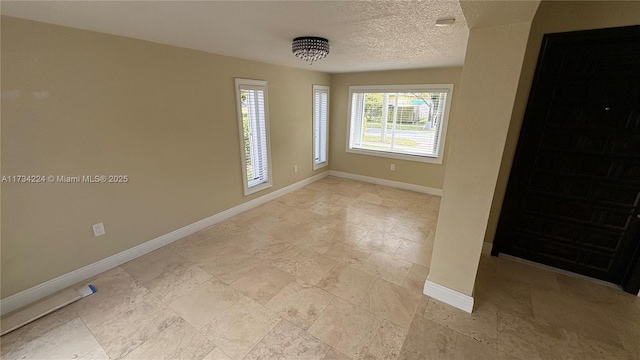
<point x="254" y="134"/>
<point x="400" y="121"/>
<point x="320" y="125"/>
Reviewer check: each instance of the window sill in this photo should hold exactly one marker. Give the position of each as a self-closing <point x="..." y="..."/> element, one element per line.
<point x="256" y="188"/>
<point x="417" y="158"/>
<point x="320" y="165"/>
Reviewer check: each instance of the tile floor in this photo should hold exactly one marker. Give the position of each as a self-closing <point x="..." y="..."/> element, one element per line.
<point x="331" y="271"/>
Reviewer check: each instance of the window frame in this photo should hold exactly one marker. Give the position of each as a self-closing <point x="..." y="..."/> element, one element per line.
<point x="249" y="84"/>
<point x="320" y="164"/>
<point x="442" y="131"/>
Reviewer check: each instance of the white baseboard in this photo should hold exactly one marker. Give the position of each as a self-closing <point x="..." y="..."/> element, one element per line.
<point x="47" y="288"/>
<point x="385" y="182"/>
<point x="446" y="295"/>
<point x="486" y="248"/>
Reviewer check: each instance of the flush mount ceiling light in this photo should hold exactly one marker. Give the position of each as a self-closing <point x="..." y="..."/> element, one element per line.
<point x="310" y="48"/>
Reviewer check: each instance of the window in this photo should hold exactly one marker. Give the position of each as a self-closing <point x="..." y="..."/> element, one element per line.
<point x="253" y="124"/>
<point x="320" y="125"/>
<point x="399" y="121"/>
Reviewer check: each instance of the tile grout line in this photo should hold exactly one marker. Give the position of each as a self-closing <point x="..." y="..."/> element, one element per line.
<point x="267" y="333"/>
<point x="314" y="321"/>
<point x="368" y="346"/>
<point x="214" y="318"/>
<point x="89" y="330"/>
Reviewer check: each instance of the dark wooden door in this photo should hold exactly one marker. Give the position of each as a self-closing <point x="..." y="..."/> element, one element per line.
<point x="573" y="196"/>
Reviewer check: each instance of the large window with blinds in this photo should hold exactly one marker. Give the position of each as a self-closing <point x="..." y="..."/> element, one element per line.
<point x="253" y="125"/>
<point x="320" y="125"/>
<point x="399" y="121"/>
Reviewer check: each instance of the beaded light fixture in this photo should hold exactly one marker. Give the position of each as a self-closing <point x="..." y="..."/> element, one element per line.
<point x="310" y="48"/>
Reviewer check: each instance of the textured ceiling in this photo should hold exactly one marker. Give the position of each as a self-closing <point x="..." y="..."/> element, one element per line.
<point x="484" y="13"/>
<point x="364" y="35"/>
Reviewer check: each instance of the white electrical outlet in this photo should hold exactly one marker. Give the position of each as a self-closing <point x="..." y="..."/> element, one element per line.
<point x="98" y="229"/>
<point x="295" y="168"/>
<point x="393" y="167"/>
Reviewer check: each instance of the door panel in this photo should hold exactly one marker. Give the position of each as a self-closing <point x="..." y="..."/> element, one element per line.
<point x="573" y="196"/>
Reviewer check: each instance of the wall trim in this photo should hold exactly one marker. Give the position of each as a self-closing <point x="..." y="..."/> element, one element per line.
<point x="385" y="182"/>
<point x="486" y="248"/>
<point x="449" y="296"/>
<point x="49" y="287"/>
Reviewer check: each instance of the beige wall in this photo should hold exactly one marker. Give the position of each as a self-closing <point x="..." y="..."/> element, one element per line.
<point x="487" y="91"/>
<point x="412" y="172"/>
<point x="164" y="116"/>
<point x="553" y="16"/>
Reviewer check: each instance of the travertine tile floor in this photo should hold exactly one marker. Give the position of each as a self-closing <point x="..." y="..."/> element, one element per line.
<point x="332" y="271"/>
